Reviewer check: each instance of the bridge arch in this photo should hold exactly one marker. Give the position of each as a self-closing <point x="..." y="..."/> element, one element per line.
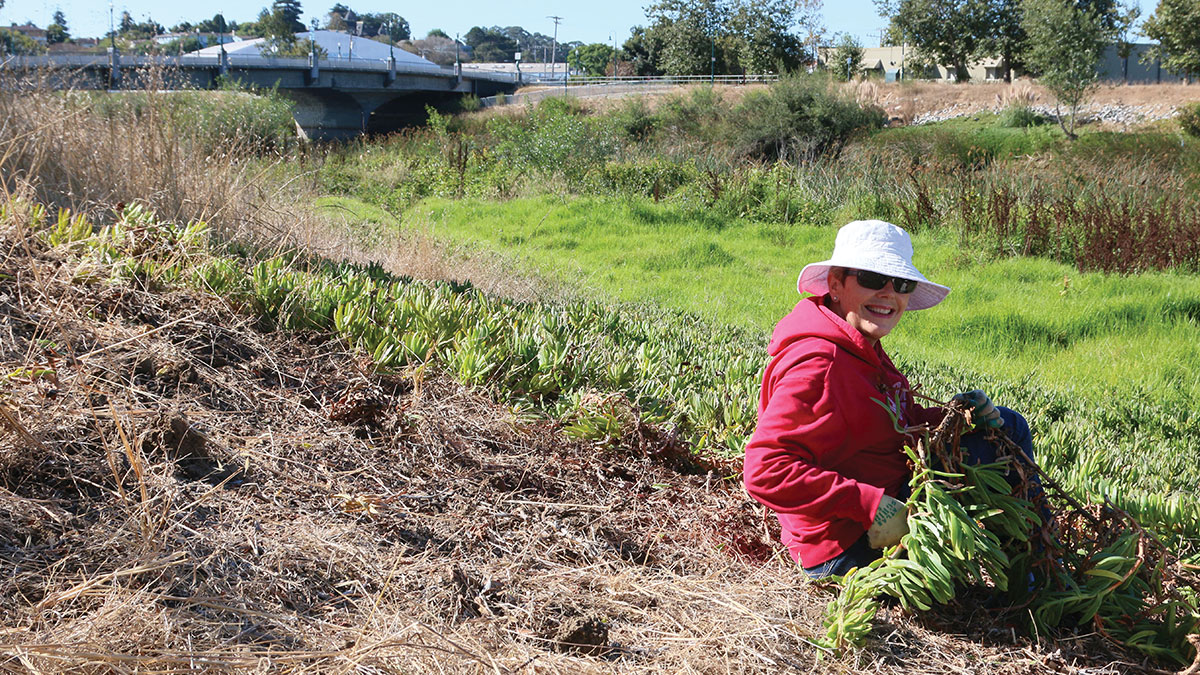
<point x="407" y="110"/>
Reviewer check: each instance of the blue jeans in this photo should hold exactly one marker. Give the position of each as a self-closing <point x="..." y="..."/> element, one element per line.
<point x="976" y="450"/>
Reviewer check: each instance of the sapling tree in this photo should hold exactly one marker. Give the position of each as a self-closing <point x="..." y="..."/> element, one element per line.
<point x="950" y="32"/>
<point x="1065" y="45"/>
<point x="847" y="58"/>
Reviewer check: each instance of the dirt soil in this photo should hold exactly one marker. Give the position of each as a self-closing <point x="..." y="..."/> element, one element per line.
<point x="185" y="489"/>
<point x="907" y="101"/>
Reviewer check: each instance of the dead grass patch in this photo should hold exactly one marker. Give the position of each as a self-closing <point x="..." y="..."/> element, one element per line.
<point x="184" y="490"/>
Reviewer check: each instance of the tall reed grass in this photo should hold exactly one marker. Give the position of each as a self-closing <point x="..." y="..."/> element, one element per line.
<point x="178" y="153"/>
<point x="226" y="158"/>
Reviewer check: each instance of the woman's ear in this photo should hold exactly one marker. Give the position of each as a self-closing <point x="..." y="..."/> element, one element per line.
<point x="836" y="281"/>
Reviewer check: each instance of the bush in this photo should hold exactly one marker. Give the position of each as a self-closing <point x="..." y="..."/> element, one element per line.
<point x="650" y="178"/>
<point x="554" y="138"/>
<point x="799" y="118"/>
<point x="561" y="105"/>
<point x="1189" y="119"/>
<point x="469" y="103"/>
<point x="1020" y="116"/>
<point x="214" y="120"/>
<point x="696" y="114"/>
<point x="634" y="120"/>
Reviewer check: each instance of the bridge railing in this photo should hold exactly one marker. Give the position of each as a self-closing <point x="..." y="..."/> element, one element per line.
<point x="234" y="60"/>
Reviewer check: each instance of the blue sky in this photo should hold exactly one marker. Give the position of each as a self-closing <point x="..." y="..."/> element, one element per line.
<point x="587" y="22"/>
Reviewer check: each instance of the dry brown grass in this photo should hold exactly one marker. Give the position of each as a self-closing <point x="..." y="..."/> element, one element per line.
<point x="190" y="492"/>
<point x="55" y="151"/>
<point x="923" y="97"/>
<point x="184" y="491"/>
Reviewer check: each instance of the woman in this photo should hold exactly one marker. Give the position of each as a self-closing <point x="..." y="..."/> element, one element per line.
<point x="827" y="455"/>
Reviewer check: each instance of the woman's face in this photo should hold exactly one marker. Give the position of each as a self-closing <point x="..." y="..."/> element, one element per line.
<point x="872" y="313"/>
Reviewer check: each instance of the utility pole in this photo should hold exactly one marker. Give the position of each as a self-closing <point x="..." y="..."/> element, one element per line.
<point x="614" y="56"/>
<point x="554" y="48"/>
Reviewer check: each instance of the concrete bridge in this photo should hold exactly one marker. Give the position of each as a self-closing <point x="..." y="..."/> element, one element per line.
<point x="334" y="98"/>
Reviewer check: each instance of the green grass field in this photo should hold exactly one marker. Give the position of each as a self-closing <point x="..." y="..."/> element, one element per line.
<point x="1021" y="319"/>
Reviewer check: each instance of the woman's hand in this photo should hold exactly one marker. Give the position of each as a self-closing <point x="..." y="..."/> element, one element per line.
<point x="891" y="523"/>
<point x="983" y="413"/>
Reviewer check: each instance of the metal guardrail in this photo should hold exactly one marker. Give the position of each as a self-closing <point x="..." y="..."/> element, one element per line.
<point x="245" y="61"/>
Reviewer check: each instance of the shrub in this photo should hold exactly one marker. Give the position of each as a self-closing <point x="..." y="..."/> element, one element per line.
<point x="799" y="118"/>
<point x="1189" y="119"/>
<point x="561" y="105"/>
<point x="696" y="114"/>
<point x="651" y="178"/>
<point x="634" y="120"/>
<point x="1020" y="116"/>
<point x="469" y="103"/>
<point x="554" y="138"/>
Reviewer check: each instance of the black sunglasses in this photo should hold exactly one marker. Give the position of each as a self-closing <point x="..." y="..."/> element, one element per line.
<point x="875" y="281"/>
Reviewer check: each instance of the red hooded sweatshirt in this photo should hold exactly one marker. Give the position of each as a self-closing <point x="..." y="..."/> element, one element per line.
<point x="826" y="448"/>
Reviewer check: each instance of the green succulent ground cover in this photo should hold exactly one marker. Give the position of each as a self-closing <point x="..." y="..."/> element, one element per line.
<point x="673" y="207"/>
<point x="1106" y="367"/>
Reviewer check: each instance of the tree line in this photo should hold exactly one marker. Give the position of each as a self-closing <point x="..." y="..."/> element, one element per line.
<point x="730" y="37"/>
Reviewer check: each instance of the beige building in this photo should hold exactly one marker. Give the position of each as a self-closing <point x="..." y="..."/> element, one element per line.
<point x="30" y="31"/>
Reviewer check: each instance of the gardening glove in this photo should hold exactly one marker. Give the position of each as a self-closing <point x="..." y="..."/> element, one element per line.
<point x="983" y="413"/>
<point x="891" y="523"/>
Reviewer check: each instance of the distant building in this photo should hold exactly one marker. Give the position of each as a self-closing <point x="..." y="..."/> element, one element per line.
<point x="74" y="45"/>
<point x="30" y="31"/>
<point x="1115" y="69"/>
<point x="337" y="45"/>
<point x="888" y="63"/>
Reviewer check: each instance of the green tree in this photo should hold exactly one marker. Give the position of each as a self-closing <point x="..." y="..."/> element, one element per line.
<point x="288" y="13"/>
<point x="950" y="32"/>
<point x="640" y="51"/>
<point x="388" y="25"/>
<point x="491" y="44"/>
<point x="594" y="59"/>
<point x="847" y="59"/>
<point x="437" y="33"/>
<point x="1065" y="45"/>
<point x="685" y="33"/>
<point x="12" y="42"/>
<point x="1175" y="25"/>
<point x="56" y="33"/>
<point x="279" y="32"/>
<point x="1009" y="39"/>
<point x="214" y="25"/>
<point x="337" y="17"/>
<point x="762" y="41"/>
<point x="1125" y="22"/>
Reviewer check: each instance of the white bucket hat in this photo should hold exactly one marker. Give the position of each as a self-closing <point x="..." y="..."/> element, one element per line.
<point x="876" y="246"/>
